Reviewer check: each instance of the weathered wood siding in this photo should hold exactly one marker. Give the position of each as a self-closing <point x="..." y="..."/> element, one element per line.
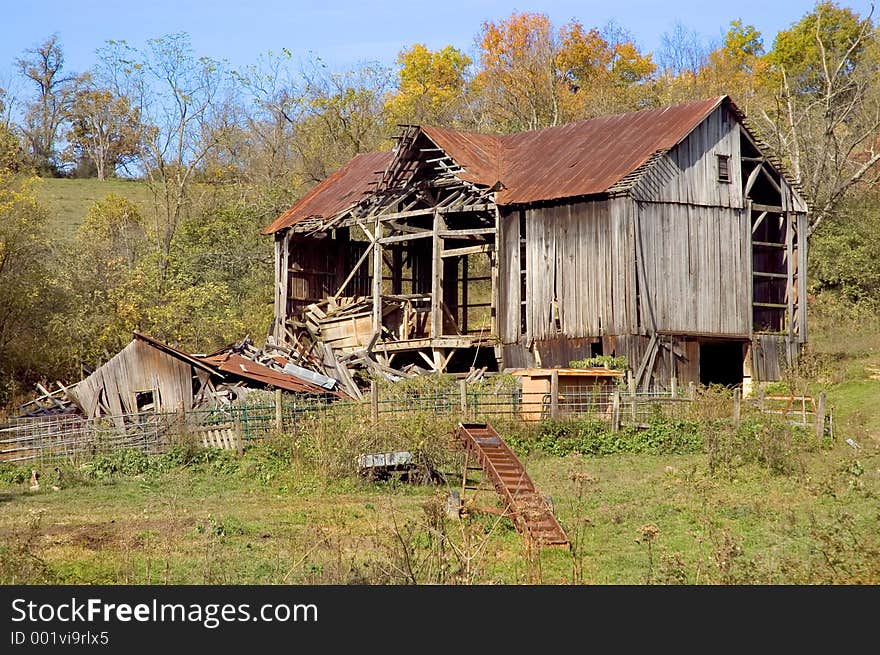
<point x="694" y="269"/>
<point x="137" y="367"/>
<point x="508" y="309"/>
<point x="580" y="278"/>
<point x="688" y="173"/>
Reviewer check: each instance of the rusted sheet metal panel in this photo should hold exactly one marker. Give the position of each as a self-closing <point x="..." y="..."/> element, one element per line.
<point x="529" y="510"/>
<point x="567" y="161"/>
<point x="478" y="154"/>
<point x="590" y="157"/>
<point x="239" y="366"/>
<point x="339" y="191"/>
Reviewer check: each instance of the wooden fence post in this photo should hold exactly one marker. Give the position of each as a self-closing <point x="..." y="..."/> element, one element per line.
<point x="673" y="384"/>
<point x="374" y="401"/>
<point x="279" y="411"/>
<point x="737" y="407"/>
<point x="820" y="417"/>
<point x="462" y="398"/>
<point x="554" y="394"/>
<point x="615" y="411"/>
<point x="692" y="390"/>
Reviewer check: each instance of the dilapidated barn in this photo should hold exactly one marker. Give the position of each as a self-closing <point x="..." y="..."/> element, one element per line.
<point x="669" y="236"/>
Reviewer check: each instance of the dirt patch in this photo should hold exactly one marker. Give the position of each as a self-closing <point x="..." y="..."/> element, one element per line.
<point x="94" y="536"/>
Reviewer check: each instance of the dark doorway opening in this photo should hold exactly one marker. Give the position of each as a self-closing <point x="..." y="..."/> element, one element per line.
<point x="721" y="362"/>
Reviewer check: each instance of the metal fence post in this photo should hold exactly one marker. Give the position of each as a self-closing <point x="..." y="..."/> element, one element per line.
<point x="615" y="411"/>
<point x="554" y="394"/>
<point x="820" y="417"/>
<point x="374" y="401"/>
<point x="279" y="411"/>
<point x="462" y="398"/>
<point x="737" y="406"/>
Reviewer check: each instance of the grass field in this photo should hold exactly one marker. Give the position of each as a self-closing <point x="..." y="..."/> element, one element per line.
<point x="633" y="519"/>
<point x="68" y="201"/>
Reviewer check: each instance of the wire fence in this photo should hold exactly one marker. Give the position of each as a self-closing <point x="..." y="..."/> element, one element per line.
<point x="232" y="426"/>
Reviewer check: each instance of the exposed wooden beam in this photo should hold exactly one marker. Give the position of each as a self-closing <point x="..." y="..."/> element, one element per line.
<point x="772" y="181"/>
<point x="464" y="233"/>
<point x="753" y="176"/>
<point x="758" y="222"/>
<point x="377" y="280"/>
<point x="469" y="250"/>
<point x="406" y="237"/>
<point x="437" y="278"/>
<point x="772" y="209"/>
<point x="354" y="270"/>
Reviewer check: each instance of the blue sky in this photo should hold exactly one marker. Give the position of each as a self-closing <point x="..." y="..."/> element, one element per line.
<point x="344" y="32"/>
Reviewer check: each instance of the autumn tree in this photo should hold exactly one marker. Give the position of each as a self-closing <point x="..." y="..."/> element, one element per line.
<point x="106" y="280"/>
<point x="43" y="66"/>
<point x="430" y="86"/>
<point x="27" y="297"/>
<point x="535" y="75"/>
<point x="104" y="128"/>
<point x="694" y="70"/>
<point x="825" y="118"/>
<point x="178" y="96"/>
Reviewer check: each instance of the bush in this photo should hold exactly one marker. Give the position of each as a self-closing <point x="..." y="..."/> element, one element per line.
<point x="765" y="440"/>
<point x="594" y="437"/>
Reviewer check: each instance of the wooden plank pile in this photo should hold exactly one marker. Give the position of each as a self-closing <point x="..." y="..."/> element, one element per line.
<point x="49" y="403"/>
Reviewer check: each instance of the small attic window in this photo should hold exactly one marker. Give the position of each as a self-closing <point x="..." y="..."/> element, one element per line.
<point x="723" y="168"/>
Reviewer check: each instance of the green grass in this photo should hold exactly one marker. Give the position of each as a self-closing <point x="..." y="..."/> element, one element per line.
<point x="68" y="201"/>
<point x="242" y="521"/>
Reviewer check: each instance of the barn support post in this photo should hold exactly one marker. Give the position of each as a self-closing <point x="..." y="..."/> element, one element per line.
<point x="437" y="278"/>
<point x="377" y="280"/>
<point x="554" y="394"/>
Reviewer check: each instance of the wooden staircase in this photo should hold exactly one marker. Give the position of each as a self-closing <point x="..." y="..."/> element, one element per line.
<point x="529" y="510"/>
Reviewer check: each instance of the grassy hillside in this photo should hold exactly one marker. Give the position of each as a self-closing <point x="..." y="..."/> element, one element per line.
<point x="68" y="201"/>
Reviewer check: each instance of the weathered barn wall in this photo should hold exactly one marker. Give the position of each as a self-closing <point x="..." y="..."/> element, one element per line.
<point x="580" y="278"/>
<point x="694" y="269"/>
<point x="137" y="367"/>
<point x="688" y="173"/>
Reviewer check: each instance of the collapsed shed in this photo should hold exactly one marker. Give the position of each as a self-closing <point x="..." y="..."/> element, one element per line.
<point x="149" y="375"/>
<point x="669" y="236"/>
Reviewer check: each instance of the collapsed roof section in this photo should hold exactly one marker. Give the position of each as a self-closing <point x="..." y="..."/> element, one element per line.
<point x="149" y="375"/>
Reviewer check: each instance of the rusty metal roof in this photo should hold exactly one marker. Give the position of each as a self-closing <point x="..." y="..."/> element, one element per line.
<point x="590" y="157"/>
<point x="477" y="153"/>
<point x="578" y="159"/>
<point x="337" y="192"/>
<point x="235" y="364"/>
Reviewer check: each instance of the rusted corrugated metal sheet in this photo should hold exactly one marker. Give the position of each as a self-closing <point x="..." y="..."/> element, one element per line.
<point x="590" y="157"/>
<point x="578" y="159"/>
<point x="478" y="154"/>
<point x="237" y="365"/>
<point x="337" y="192"/>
